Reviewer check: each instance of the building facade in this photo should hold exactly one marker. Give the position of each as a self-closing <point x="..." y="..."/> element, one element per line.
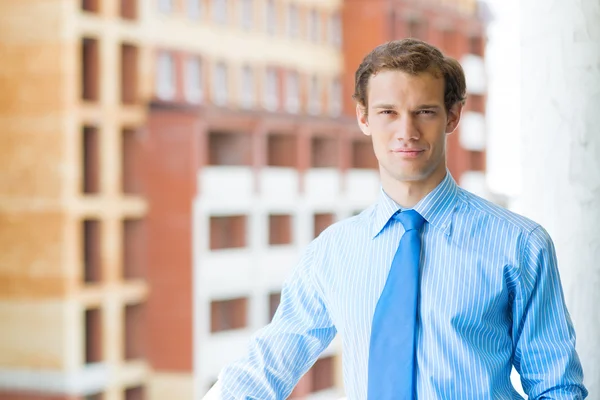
<point x="164" y="164"/>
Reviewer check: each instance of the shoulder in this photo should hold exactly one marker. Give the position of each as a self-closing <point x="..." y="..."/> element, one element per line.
<point x="495" y="216"/>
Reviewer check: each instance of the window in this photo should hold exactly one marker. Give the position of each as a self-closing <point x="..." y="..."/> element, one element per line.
<point x="129" y="73"/>
<point x="129" y="9"/>
<point x="248" y="95"/>
<point x="226" y="148"/>
<point x="227" y="232"/>
<point x="193" y="80"/>
<point x="165" y="77"/>
<point x="92" y="268"/>
<point x="135" y="393"/>
<point x="220" y="82"/>
<point x="165" y="6"/>
<point x="133" y="249"/>
<point x="324" y="152"/>
<point x="271" y="18"/>
<point x="323" y="374"/>
<point x="219" y="11"/>
<point x="476" y="45"/>
<point x="314" y="99"/>
<point x="335" y="30"/>
<point x="90" y="5"/>
<point x="134" y="332"/>
<point x="131" y="178"/>
<point x="293" y="21"/>
<point x="195" y="9"/>
<point x="280" y="229"/>
<point x="90" y="70"/>
<point x="274" y="300"/>
<point x="92" y="336"/>
<point x="228" y="314"/>
<point x="281" y="150"/>
<point x="362" y="155"/>
<point x="314" y="26"/>
<point x="335" y="98"/>
<point x="292" y="90"/>
<point x="247" y="14"/>
<point x="271" y="90"/>
<point x="322" y="221"/>
<point x="90" y="160"/>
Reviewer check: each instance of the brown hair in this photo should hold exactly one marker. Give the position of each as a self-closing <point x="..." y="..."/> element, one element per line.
<point x="412" y="56"/>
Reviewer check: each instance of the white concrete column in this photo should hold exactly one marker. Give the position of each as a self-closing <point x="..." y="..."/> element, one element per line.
<point x="560" y="126"/>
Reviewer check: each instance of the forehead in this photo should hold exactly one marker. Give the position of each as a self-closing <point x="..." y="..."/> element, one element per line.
<point x="399" y="86"/>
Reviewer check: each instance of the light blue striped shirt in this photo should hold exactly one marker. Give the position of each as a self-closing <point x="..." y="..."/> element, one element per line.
<point x="490" y="298"/>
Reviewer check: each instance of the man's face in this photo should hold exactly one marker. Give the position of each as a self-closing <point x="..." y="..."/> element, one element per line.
<point x="408" y="124"/>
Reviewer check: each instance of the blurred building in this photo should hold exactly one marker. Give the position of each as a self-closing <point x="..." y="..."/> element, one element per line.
<point x="457" y="27"/>
<point x="164" y="162"/>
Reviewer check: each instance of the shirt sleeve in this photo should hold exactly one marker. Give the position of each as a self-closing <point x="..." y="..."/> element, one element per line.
<point x="280" y="353"/>
<point x="543" y="335"/>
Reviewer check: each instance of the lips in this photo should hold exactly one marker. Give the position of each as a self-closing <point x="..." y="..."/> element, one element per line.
<point x="408" y="152"/>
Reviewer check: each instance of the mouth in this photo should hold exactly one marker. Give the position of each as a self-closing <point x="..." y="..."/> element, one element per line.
<point x="408" y="153"/>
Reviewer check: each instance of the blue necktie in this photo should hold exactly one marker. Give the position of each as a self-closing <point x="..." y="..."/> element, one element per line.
<point x="392" y="348"/>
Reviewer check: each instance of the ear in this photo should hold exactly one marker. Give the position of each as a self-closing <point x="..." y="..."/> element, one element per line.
<point x="363" y="119"/>
<point x="453" y="117"/>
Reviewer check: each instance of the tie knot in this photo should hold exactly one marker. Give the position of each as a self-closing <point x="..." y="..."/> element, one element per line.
<point x="410" y="219"/>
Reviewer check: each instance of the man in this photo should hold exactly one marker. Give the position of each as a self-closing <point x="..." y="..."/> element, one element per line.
<point x="436" y="293"/>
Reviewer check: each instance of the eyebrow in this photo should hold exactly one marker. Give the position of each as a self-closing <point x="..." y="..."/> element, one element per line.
<point x="419" y="107"/>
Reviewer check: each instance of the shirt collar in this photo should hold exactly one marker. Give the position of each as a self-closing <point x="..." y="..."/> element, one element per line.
<point x="436" y="207"/>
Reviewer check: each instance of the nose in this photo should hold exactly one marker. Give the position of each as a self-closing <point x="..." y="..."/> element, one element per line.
<point x="406" y="129"/>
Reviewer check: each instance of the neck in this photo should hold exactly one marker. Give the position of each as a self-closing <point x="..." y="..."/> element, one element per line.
<point x="408" y="193"/>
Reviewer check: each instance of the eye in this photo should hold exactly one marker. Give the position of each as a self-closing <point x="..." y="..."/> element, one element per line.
<point x="426" y="112"/>
<point x="387" y="112"/>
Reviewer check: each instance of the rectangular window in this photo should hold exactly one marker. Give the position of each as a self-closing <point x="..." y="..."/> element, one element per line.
<point x="271" y="89"/>
<point x="314" y="96"/>
<point x="228" y="314"/>
<point x="92" y="267"/>
<point x="293" y="21"/>
<point x="323" y="374"/>
<point x="324" y="152"/>
<point x="226" y="148"/>
<point x="195" y="9"/>
<point x="476" y="45"/>
<point x="314" y="26"/>
<point x="247" y="14"/>
<point x="93" y="336"/>
<point x="134" y="332"/>
<point x="90" y="70"/>
<point x="335" y="98"/>
<point x="220" y="85"/>
<point x="274" y="300"/>
<point x="129" y="73"/>
<point x="227" y="232"/>
<point x="90" y="6"/>
<point x="321" y="222"/>
<point x="281" y="150"/>
<point x="280" y="229"/>
<point x="131" y="178"/>
<point x="219" y="11"/>
<point x="129" y="9"/>
<point x="271" y="18"/>
<point x="165" y="6"/>
<point x="335" y="30"/>
<point x="292" y="90"/>
<point x="135" y="393"/>
<point x="363" y="156"/>
<point x="248" y="95"/>
<point x="133" y="249"/>
<point x="165" y="76"/>
<point x="90" y="160"/>
<point x="194" y="89"/>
